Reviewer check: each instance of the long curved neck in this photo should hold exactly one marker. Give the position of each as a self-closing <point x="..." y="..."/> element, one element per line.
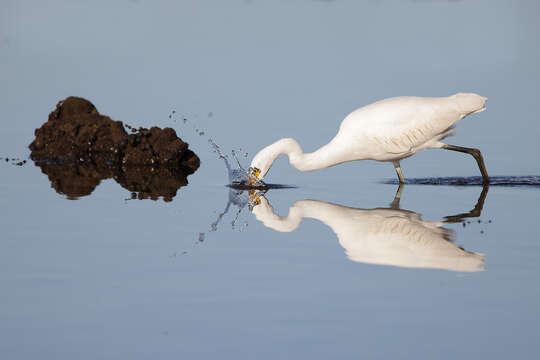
<point x="322" y="158"/>
<point x="326" y="156"/>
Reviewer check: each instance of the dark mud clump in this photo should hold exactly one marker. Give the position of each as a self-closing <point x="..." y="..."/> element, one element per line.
<point x="78" y="147"/>
<point x="76" y="132"/>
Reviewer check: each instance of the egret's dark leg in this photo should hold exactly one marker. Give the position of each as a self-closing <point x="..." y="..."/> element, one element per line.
<point x="398" y="172"/>
<point x="477" y="156"/>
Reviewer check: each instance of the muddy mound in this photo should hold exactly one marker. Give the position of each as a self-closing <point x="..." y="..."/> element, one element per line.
<point x="76" y="132"/>
<point x="78" y="147"/>
<point x="76" y="180"/>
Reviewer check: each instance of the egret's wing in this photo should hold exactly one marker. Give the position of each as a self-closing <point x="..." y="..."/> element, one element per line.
<point x="401" y="125"/>
<point x="404" y="124"/>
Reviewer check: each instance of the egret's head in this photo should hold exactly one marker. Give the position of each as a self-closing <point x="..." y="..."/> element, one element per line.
<point x="264" y="159"/>
<point x="260" y="165"/>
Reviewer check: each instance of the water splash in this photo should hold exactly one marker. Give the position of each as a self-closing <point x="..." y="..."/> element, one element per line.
<point x="14" y="160"/>
<point x="244" y="188"/>
<point x="236" y="175"/>
<point x="239" y="177"/>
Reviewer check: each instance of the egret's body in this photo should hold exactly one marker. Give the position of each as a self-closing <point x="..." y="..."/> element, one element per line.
<point x="387" y="130"/>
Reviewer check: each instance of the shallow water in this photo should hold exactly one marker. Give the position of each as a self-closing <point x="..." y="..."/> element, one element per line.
<point x="204" y="274"/>
<point x="342" y="263"/>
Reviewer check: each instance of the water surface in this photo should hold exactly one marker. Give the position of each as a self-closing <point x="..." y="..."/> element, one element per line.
<point x="111" y="270"/>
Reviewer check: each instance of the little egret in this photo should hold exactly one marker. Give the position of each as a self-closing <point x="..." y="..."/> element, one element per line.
<point x="387" y="130"/>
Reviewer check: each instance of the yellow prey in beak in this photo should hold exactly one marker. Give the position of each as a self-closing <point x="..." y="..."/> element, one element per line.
<point x="253" y="176"/>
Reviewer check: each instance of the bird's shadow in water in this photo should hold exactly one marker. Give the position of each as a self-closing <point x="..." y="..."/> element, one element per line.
<point x="474" y="213"/>
<point x="383" y="235"/>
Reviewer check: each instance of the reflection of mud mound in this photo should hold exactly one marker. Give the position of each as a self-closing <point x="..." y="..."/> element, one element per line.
<point x="533" y="180"/>
<point x="72" y="179"/>
<point x="76" y="131"/>
<point x="77" y="148"/>
<point x="145" y="182"/>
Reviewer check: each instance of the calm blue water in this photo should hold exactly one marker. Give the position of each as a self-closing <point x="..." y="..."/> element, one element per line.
<point x="107" y="277"/>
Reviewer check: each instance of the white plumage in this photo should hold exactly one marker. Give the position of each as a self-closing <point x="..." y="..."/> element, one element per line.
<point x="387" y="130"/>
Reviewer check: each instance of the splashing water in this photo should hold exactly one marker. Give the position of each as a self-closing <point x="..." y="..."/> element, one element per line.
<point x="237" y="197"/>
<point x="239" y="182"/>
<point x="238" y="177"/>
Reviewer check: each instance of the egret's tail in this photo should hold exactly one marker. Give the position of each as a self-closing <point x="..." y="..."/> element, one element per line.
<point x="469" y="103"/>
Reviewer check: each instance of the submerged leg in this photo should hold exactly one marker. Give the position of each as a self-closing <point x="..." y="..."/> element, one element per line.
<point x="477" y="156"/>
<point x="398" y="172"/>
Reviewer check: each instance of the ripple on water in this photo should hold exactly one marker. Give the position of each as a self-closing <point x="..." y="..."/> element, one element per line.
<point x="263" y="186"/>
<point x="531" y="180"/>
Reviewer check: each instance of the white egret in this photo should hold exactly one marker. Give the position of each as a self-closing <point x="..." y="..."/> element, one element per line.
<point x="387" y="130"/>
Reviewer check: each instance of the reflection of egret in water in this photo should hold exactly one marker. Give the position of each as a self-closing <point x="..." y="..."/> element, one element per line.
<point x="384" y="236"/>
